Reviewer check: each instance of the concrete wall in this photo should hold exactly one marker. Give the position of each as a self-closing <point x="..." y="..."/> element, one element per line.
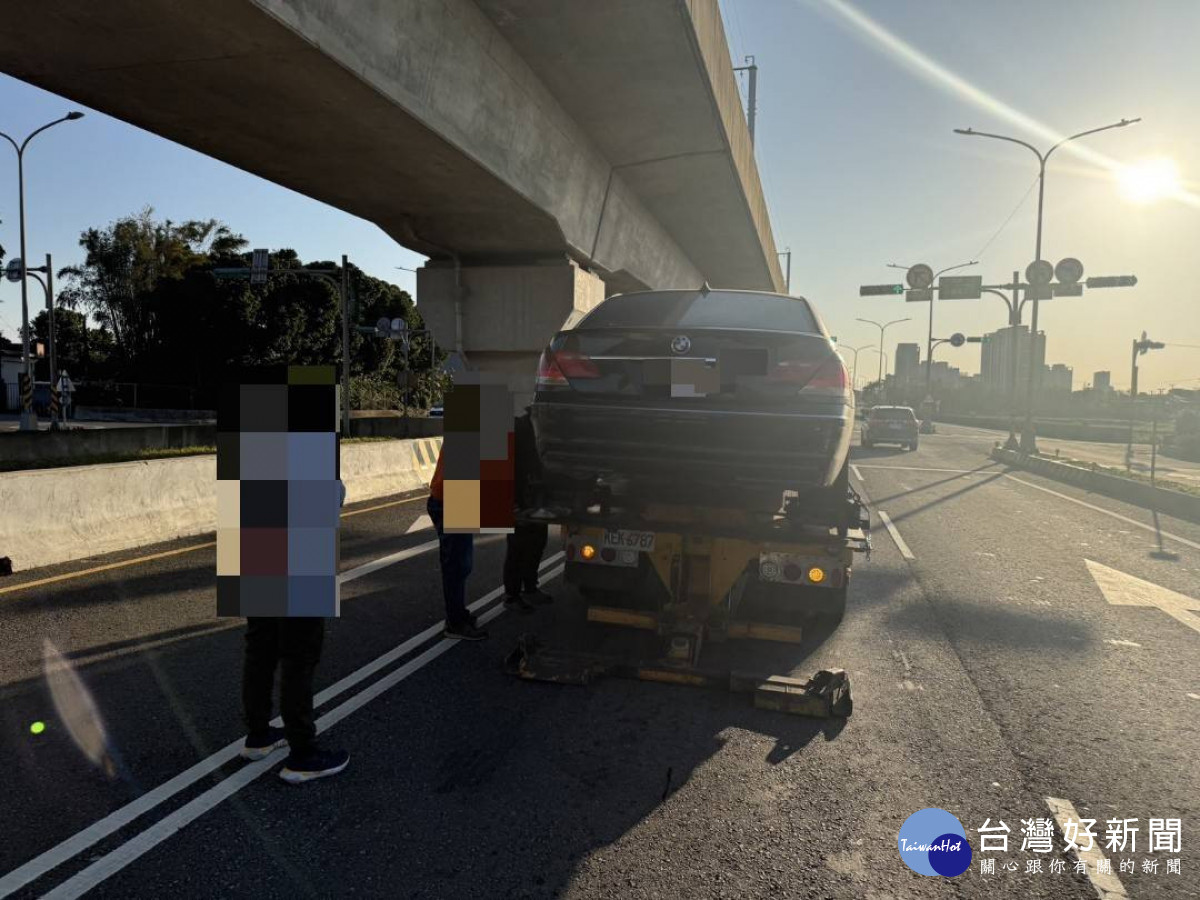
<point x="57" y="515"/>
<point x="30" y="447"/>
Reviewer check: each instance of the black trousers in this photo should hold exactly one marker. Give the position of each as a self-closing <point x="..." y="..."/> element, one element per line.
<point x="294" y="646"/>
<point x="525" y="547"/>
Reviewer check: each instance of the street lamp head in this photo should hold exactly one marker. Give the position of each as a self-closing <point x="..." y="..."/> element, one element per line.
<point x="73" y="115"/>
<point x="1125" y="122"/>
<point x="964" y="130"/>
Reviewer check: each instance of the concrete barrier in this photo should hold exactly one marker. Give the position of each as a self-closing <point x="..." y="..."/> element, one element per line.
<point x="28" y="447"/>
<point x="1173" y="503"/>
<point x="57" y="515"/>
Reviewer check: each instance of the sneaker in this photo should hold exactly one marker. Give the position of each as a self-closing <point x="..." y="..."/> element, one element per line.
<point x="467" y="631"/>
<point x="264" y="746"/>
<point x="516" y="601"/>
<point x="538" y="597"/>
<point x="313" y="764"/>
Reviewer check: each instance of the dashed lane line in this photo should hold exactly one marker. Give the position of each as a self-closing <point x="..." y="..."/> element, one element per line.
<point x="1107" y="885"/>
<point x="900" y="545"/>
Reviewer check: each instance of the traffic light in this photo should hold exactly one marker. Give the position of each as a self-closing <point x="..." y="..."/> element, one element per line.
<point x="877" y="290"/>
<point x="1104" y="281"/>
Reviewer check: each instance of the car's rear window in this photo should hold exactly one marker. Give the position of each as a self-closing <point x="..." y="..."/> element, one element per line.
<point x="893" y="412"/>
<point x="716" y="309"/>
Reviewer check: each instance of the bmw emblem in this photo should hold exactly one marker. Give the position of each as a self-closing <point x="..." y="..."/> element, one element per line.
<point x="681" y="344"/>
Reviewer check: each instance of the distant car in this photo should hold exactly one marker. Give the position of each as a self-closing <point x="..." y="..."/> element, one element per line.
<point x="729" y="398"/>
<point x="436" y="412"/>
<point x="891" y="425"/>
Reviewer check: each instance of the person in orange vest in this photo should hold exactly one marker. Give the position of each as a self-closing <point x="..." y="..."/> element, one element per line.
<point x="456" y="555"/>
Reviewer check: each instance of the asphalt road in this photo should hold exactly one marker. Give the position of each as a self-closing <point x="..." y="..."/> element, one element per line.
<point x="995" y="672"/>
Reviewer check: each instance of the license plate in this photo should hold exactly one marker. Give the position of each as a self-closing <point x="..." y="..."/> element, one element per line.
<point x="629" y="540"/>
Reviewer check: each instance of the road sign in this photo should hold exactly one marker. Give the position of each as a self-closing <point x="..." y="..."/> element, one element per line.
<point x="919" y="276"/>
<point x="960" y="287"/>
<point x="13" y="270"/>
<point x="1067" y="290"/>
<point x="957" y="339"/>
<point x="1038" y="292"/>
<point x="877" y="290"/>
<point x="1069" y="270"/>
<point x="1039" y="272"/>
<point x="920" y="295"/>
<point x="258" y="267"/>
<point x="1112" y="281"/>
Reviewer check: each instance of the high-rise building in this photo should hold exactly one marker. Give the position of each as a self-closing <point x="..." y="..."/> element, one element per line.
<point x="1058" y="379"/>
<point x="908" y="366"/>
<point x="1102" y="382"/>
<point x="997" y="358"/>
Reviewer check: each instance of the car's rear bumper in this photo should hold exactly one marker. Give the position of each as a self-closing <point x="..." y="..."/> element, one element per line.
<point x="680" y="454"/>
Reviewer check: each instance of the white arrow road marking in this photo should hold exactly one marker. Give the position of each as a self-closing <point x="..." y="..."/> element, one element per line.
<point x="420" y="524"/>
<point x="1120" y="589"/>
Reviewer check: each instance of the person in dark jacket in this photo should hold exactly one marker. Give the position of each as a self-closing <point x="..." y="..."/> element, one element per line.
<point x="528" y="540"/>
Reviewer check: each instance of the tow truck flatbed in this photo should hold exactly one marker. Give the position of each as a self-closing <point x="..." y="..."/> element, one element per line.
<point x="695" y="575"/>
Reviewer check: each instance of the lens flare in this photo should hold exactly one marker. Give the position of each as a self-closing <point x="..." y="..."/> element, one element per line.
<point x="77" y="709"/>
<point x="37" y="727"/>
<point x="1149" y="180"/>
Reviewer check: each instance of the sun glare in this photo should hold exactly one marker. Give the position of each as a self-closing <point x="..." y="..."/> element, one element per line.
<point x="1149" y="180"/>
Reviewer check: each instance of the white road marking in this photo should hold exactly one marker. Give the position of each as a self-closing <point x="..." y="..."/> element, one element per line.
<point x="420" y="523"/>
<point x="118" y="819"/>
<point x="1193" y="696"/>
<point x="1108" y="887"/>
<point x="900" y="545"/>
<point x="857" y="474"/>
<point x="117" y="859"/>
<point x="384" y="561"/>
<point x="1107" y="512"/>
<point x="1121" y="589"/>
<point x="1122" y="643"/>
<point x="923" y="469"/>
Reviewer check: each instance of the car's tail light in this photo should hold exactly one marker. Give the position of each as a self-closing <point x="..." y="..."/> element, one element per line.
<point x="556" y="368"/>
<point x="828" y="376"/>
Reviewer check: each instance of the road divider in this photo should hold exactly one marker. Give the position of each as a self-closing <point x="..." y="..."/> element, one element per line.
<point x="1172" y="503"/>
<point x="58" y="515"/>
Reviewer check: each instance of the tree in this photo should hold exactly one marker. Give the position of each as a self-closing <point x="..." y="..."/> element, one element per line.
<point x="126" y="262"/>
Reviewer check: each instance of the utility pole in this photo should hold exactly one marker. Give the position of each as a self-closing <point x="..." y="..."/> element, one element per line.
<point x="752" y="99"/>
<point x="1028" y="437"/>
<point x="788" y="277"/>
<point x="28" y="417"/>
<point x="1139" y="349"/>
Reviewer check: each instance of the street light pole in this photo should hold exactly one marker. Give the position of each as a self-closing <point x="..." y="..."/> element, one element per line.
<point x="882" y="329"/>
<point x="28" y="417"/>
<point x="1014" y="322"/>
<point x="1028" y="438"/>
<point x="854" y="369"/>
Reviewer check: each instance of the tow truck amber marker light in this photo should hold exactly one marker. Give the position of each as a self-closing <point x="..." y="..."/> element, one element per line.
<point x="587" y="551"/>
<point x="816" y="575"/>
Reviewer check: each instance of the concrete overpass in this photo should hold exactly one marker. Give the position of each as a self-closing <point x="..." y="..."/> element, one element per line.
<point x="542" y="153"/>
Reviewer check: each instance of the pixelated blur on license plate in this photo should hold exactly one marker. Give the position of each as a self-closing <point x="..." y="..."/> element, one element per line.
<point x="629" y="540"/>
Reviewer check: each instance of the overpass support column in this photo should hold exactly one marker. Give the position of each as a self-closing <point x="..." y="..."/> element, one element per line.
<point x="509" y="312"/>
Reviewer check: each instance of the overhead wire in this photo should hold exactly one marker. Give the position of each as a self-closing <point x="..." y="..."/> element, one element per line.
<point x="1004" y="224"/>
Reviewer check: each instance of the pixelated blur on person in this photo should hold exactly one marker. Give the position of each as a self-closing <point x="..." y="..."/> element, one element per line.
<point x="527" y="542"/>
<point x="472" y="488"/>
<point x="279" y="495"/>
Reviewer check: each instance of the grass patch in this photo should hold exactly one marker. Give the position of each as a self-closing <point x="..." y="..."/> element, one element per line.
<point x="97" y="459"/>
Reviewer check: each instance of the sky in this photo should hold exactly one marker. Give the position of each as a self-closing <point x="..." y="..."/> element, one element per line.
<point x="857" y="103"/>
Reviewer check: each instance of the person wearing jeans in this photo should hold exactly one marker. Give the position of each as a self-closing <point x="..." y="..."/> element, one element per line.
<point x="456" y="555"/>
